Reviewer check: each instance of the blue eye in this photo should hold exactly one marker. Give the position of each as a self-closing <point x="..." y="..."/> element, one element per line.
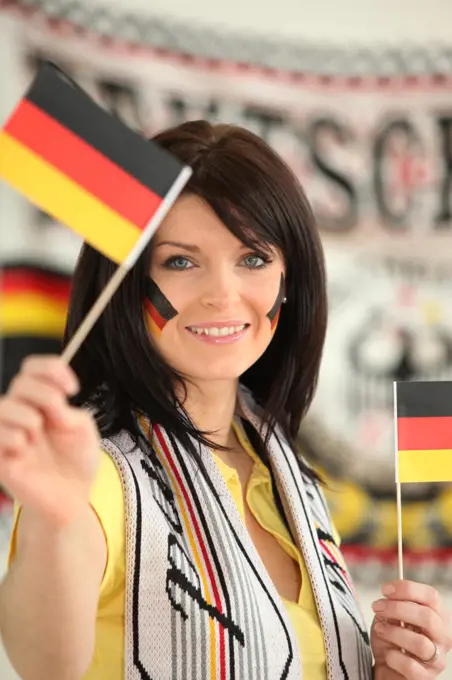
<point x="179" y="263"/>
<point x="255" y="261"/>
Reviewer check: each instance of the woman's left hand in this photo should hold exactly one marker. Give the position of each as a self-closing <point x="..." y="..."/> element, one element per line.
<point x="425" y="637"/>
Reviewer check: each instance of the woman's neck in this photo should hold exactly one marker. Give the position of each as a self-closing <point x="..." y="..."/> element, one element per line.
<point x="211" y="406"/>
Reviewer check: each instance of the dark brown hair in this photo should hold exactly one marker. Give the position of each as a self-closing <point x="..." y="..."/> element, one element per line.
<point x="260" y="201"/>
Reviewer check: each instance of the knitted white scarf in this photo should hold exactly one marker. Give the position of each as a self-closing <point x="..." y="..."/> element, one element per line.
<point x="199" y="602"/>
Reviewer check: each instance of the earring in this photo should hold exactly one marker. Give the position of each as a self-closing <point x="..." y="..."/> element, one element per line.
<point x="284" y="300"/>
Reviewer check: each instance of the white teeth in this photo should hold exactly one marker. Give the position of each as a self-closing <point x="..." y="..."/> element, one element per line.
<point x="215" y="332"/>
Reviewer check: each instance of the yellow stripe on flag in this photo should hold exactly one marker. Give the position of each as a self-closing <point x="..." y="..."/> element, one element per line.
<point x="66" y="201"/>
<point x="31" y="314"/>
<point x="425" y="466"/>
<point x="153" y="326"/>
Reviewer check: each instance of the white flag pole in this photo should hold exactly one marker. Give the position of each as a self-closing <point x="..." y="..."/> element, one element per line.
<point x="399" y="529"/>
<point x="398" y="488"/>
<point x="124" y="268"/>
<point x="399" y="495"/>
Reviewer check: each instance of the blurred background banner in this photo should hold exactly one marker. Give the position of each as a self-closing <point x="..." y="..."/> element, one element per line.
<point x="367" y="128"/>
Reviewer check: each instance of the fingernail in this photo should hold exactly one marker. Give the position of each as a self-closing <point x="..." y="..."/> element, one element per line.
<point x="379" y="628"/>
<point x="388" y="590"/>
<point x="379" y="606"/>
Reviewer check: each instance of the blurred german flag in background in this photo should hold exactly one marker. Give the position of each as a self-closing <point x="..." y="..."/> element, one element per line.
<point x="33" y="307"/>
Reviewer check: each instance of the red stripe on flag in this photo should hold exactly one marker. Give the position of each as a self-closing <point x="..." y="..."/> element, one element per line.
<point x="83" y="164"/>
<point x="274" y="323"/>
<point x="155" y="316"/>
<point x="418" y="434"/>
<point x="21" y="281"/>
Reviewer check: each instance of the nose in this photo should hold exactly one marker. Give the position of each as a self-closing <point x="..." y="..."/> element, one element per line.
<point x="221" y="289"/>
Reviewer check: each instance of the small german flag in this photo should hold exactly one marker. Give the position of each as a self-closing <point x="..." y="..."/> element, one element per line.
<point x="86" y="168"/>
<point x="423" y="431"/>
<point x="159" y="308"/>
<point x="275" y="311"/>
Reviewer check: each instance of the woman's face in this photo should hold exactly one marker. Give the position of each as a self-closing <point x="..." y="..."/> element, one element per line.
<point x="213" y="302"/>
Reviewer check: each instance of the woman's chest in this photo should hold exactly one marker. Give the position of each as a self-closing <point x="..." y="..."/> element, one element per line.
<point x="282" y="569"/>
<point x="263" y="523"/>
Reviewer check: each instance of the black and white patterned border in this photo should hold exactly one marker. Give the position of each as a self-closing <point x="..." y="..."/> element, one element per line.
<point x="202" y="42"/>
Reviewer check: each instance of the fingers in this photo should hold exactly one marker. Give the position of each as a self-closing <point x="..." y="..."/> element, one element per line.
<point x="12" y="440"/>
<point x="17" y="421"/>
<point x="36" y="394"/>
<point x="412" y="668"/>
<point x="53" y="370"/>
<point x="411" y="591"/>
<point x="411" y="641"/>
<point x="44" y="383"/>
<point x="414" y="614"/>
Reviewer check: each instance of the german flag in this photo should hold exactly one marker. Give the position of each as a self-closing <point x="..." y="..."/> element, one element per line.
<point x="33" y="309"/>
<point x="159" y="308"/>
<point x="424" y="431"/>
<point x="86" y="168"/>
<point x="275" y="311"/>
<point x="33" y="301"/>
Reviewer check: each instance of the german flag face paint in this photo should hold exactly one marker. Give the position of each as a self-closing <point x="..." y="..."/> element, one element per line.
<point x="273" y="314"/>
<point x="159" y="309"/>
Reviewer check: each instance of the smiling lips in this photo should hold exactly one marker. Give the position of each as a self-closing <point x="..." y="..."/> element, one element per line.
<point x="219" y="333"/>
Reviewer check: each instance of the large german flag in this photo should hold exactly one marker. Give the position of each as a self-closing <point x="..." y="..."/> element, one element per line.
<point x="424" y="431"/>
<point x="86" y="168"/>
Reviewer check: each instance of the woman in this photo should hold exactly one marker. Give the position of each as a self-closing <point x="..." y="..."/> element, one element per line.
<point x="193" y="540"/>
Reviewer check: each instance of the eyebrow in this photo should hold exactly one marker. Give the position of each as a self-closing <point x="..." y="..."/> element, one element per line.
<point x="178" y="244"/>
<point x="185" y="246"/>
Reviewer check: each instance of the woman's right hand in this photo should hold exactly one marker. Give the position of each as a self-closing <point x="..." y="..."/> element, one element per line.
<point x="49" y="450"/>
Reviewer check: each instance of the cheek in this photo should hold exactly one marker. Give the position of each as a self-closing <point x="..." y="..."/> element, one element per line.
<point x="159" y="309"/>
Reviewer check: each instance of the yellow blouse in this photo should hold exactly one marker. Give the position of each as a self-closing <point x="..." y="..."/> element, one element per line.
<point x="108" y="502"/>
<point x="303" y="614"/>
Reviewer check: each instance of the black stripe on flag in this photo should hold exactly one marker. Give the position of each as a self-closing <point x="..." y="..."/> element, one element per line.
<point x="61" y="98"/>
<point x="424" y="399"/>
